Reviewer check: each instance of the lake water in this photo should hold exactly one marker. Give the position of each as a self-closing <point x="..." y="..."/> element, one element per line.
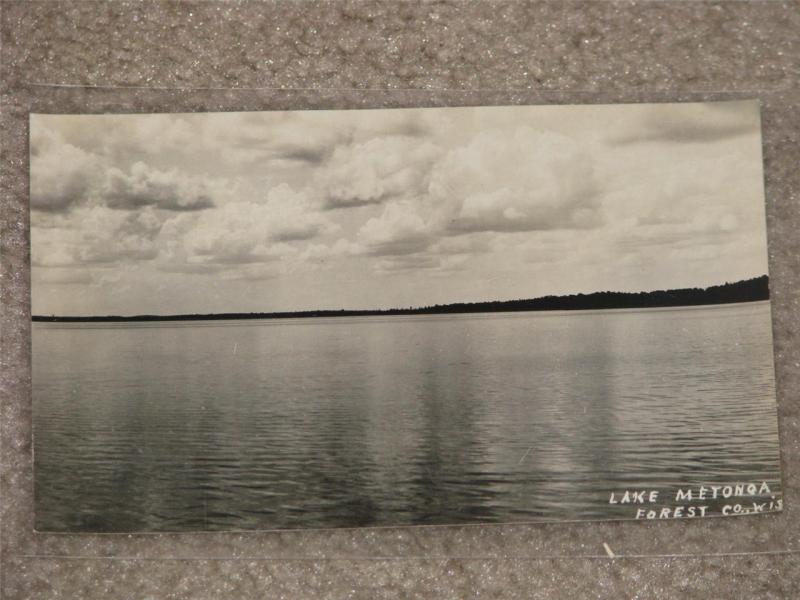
<point x="398" y="420"/>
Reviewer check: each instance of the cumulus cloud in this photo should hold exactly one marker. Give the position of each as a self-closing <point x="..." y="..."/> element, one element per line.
<point x="62" y="174"/>
<point x="250" y="232"/>
<point x="526" y="181"/>
<point x="494" y="202"/>
<point x="73" y="165"/>
<point x="375" y="171"/>
<point x="310" y="139"/>
<point x="124" y="139"/>
<point x="698" y="195"/>
<point x="398" y="230"/>
<point x="147" y="186"/>
<point x="133" y="237"/>
<point x="97" y="236"/>
<point x="272" y="138"/>
<point x="497" y="182"/>
<point x="113" y="237"/>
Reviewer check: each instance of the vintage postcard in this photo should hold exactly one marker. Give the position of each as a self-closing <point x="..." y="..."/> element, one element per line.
<point x="275" y="320"/>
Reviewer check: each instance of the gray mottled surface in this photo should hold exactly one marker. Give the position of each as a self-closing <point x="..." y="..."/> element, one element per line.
<point x="164" y="56"/>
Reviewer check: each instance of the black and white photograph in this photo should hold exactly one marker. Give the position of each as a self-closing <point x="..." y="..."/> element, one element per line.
<point x="393" y="317"/>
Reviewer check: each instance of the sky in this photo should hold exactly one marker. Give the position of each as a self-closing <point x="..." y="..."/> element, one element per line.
<point x="300" y="210"/>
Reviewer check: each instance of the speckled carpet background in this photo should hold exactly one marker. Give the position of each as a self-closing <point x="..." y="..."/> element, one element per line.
<point x="77" y="57"/>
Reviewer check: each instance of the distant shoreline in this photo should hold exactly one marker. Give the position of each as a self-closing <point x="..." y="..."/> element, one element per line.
<point x="749" y="290"/>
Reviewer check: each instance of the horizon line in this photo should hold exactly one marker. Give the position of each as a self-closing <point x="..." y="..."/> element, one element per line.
<point x="517" y="305"/>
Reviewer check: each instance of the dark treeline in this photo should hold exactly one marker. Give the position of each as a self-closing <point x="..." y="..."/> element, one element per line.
<point x="749" y="290"/>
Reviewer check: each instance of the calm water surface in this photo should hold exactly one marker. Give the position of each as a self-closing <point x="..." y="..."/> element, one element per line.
<point x="395" y="420"/>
